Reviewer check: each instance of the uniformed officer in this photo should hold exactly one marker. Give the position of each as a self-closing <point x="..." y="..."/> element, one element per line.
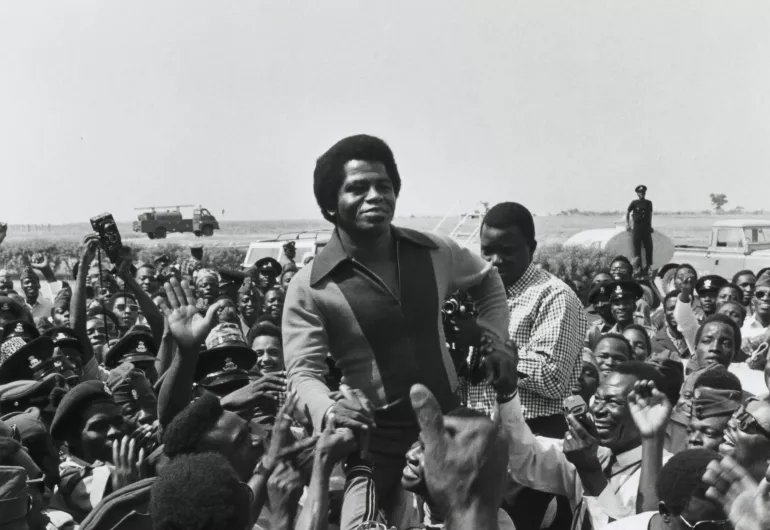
<point x="708" y="288"/>
<point x="225" y="363"/>
<point x="11" y="310"/>
<point x="598" y="311"/>
<point x="16" y="334"/>
<point x="34" y="360"/>
<point x="624" y="295"/>
<point x="289" y="253"/>
<point x="640" y="211"/>
<point x="267" y="271"/>
<point x="136" y="347"/>
<point x="68" y="347"/>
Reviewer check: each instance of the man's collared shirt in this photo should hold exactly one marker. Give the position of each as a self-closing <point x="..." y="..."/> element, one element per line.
<point x="547" y="324"/>
<point x="665" y="341"/>
<point x="751" y="333"/>
<point x="383" y="342"/>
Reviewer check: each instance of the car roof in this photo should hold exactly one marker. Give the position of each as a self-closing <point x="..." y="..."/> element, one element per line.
<point x="742" y="223"/>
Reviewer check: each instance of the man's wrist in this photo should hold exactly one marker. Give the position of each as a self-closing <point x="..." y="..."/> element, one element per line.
<point x="505" y="397"/>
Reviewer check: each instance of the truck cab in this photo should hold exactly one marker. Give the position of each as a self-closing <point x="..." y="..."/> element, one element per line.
<point x="734" y="245"/>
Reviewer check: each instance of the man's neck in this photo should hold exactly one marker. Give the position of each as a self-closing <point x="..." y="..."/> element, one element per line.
<point x="619" y="449"/>
<point x="31" y="300"/>
<point x="367" y="247"/>
<point x="764" y="320"/>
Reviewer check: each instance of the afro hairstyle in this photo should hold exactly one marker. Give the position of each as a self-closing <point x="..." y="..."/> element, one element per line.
<point x="264" y="327"/>
<point x="647" y="341"/>
<point x="681" y="478"/>
<point x="329" y="174"/>
<point x="641" y="371"/>
<point x="689" y="267"/>
<point x="724" y="319"/>
<point x="199" y="492"/>
<point x="744" y="272"/>
<point x="719" y="378"/>
<point x="618" y="337"/>
<point x="185" y="434"/>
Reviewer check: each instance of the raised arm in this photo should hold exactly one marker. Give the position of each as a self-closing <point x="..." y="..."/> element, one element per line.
<point x="149" y="309"/>
<point x="78" y="300"/>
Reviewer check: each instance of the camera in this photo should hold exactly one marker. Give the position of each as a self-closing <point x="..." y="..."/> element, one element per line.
<point x="462" y="334"/>
<point x="109" y="235"/>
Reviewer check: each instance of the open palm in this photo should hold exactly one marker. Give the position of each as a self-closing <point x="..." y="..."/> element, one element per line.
<point x="746" y="503"/>
<point x="649" y="408"/>
<point x="188" y="327"/>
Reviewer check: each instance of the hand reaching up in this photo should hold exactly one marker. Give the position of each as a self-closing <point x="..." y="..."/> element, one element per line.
<point x="334" y="445"/>
<point x="186" y="325"/>
<point x="284" y="488"/>
<point x="649" y="408"/>
<point x="129" y="463"/>
<point x="283" y="445"/>
<point x="746" y="503"/>
<point x="466" y="461"/>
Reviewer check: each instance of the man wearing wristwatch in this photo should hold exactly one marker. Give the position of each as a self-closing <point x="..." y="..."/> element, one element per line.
<point x="372" y="299"/>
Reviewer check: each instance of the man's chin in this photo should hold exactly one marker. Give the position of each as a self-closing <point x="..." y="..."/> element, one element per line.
<point x="411" y="485"/>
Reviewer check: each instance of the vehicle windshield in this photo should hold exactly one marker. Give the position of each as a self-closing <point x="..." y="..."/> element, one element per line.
<point x="757" y="238"/>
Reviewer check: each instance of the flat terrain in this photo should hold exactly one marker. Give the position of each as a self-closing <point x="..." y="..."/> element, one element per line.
<point x="682" y="229"/>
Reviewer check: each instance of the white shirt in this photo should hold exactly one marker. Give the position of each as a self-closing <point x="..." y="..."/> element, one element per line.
<point x="635" y="522"/>
<point x="751" y="332"/>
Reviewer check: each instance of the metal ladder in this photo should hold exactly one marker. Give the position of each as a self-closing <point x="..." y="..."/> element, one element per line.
<point x="466" y="231"/>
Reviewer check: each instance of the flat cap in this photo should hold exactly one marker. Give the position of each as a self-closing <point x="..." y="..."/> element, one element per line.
<point x="641" y="188"/>
<point x="137" y="345"/>
<point x="74" y="403"/>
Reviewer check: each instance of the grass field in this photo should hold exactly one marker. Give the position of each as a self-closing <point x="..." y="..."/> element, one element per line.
<point x="682" y="229"/>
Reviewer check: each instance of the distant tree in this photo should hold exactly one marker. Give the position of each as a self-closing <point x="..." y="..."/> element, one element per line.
<point x="718" y="200"/>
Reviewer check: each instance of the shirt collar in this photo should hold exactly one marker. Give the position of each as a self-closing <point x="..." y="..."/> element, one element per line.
<point x="752" y="323"/>
<point x="334" y="252"/>
<point x="526" y="279"/>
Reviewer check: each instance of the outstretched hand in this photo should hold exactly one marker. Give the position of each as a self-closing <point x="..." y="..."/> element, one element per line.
<point x="188" y="327"/>
<point x="282" y="442"/>
<point x="91" y="247"/>
<point x="501" y="360"/>
<point x="650" y="409"/>
<point x="466" y="459"/>
<point x="129" y="463"/>
<point x="746" y="503"/>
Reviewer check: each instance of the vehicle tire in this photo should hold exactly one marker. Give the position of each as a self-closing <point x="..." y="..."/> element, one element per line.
<point x="208" y="231"/>
<point x="151" y="235"/>
<point x="197" y="233"/>
<point x="160" y="233"/>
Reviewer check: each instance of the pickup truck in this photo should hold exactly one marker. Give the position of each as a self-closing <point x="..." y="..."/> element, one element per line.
<point x="735" y="244"/>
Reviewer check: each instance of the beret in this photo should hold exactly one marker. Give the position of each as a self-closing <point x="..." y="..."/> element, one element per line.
<point x="74" y="403"/>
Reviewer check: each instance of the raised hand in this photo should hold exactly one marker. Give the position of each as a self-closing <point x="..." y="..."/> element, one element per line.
<point x="580" y="445"/>
<point x="91" y="247"/>
<point x="269" y="386"/>
<point x="282" y="443"/>
<point x="650" y="409"/>
<point x="335" y="444"/>
<point x="188" y="327"/>
<point x="129" y="463"/>
<point x="746" y="503"/>
<point x="466" y="459"/>
<point x="284" y="488"/>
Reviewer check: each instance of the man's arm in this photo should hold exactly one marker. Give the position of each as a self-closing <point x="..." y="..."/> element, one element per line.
<point x="554" y="347"/>
<point x="305" y="346"/>
<point x="628" y="215"/>
<point x="469" y="272"/>
<point x="686" y="321"/>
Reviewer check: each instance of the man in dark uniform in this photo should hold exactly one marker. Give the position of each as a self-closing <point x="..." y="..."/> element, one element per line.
<point x="640" y="211"/>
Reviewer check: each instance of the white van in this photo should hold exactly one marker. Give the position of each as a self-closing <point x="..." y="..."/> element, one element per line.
<point x="308" y="245"/>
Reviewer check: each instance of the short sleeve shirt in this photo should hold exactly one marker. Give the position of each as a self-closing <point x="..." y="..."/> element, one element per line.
<point x="641" y="212"/>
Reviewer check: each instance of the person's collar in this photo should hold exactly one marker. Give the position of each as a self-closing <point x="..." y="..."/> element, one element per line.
<point x="334" y="252"/>
<point x="620" y="461"/>
<point x="752" y="322"/>
<point x="524" y="281"/>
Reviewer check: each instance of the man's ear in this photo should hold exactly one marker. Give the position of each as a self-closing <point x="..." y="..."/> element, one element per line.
<point x="664" y="512"/>
<point x="533" y="248"/>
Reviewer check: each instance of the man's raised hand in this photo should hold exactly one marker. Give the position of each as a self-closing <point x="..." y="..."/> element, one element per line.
<point x="650" y="409"/>
<point x="188" y="327"/>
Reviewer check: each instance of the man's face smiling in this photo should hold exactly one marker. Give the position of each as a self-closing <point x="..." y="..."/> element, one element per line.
<point x="31" y="287"/>
<point x="612" y="418"/>
<point x="366" y="200"/>
<point x="412" y="477"/>
<point x="623" y="309"/>
<point x="620" y="270"/>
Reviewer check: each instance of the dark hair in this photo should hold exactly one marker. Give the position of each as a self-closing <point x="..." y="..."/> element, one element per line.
<point x="623" y="259"/>
<point x="672" y="378"/>
<point x="199" y="492"/>
<point x="641" y="329"/>
<point x="762" y="272"/>
<point x="744" y="272"/>
<point x="621" y="338"/>
<point x="121" y="294"/>
<point x="733" y="287"/>
<point x="98" y="311"/>
<point x="186" y="431"/>
<point x="686" y="266"/>
<point x="671" y="294"/>
<point x="721" y="379"/>
<point x="724" y="319"/>
<point x="263" y="328"/>
<point x="641" y="371"/>
<point x="329" y="174"/>
<point x="512" y="214"/>
<point x="740" y="307"/>
<point x="267" y="318"/>
<point x="681" y="478"/>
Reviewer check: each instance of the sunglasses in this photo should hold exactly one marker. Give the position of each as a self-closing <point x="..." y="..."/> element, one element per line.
<point x="707" y="525"/>
<point x="761" y="295"/>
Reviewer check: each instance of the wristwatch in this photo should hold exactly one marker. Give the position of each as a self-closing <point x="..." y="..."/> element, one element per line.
<point x="505" y="398"/>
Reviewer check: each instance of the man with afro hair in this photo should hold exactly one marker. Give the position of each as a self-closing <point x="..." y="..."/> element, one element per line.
<point x="372" y="297"/>
<point x="200" y="492"/>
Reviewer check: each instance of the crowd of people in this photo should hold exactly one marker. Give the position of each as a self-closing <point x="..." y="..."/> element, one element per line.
<point x="341" y="392"/>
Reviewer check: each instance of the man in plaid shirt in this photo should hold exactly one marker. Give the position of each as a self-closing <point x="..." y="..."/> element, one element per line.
<point x="547" y="321"/>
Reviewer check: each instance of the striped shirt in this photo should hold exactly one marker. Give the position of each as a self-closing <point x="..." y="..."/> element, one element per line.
<point x="548" y="324"/>
<point x="383" y="343"/>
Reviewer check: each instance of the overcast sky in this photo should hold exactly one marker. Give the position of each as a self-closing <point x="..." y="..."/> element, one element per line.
<point x="108" y="105"/>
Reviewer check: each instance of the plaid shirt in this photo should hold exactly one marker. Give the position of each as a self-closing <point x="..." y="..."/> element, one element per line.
<point x="548" y="324"/>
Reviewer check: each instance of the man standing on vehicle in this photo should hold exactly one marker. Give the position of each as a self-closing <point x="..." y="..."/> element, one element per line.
<point x="640" y="211"/>
<point x="372" y="299"/>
